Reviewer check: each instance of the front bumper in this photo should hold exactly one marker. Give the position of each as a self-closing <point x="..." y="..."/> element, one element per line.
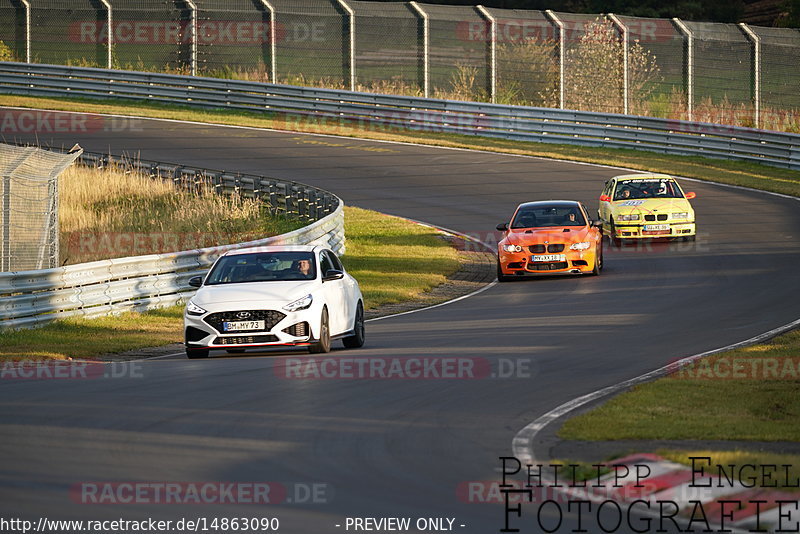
<point x="575" y="262"/>
<point x="640" y="231"/>
<point x="295" y="329"/>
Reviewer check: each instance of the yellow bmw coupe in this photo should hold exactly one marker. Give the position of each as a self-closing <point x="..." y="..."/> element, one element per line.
<point x="636" y="206"/>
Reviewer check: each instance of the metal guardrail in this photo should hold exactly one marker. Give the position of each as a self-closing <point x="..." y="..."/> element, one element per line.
<point x="543" y="125"/>
<point x="32" y="298"/>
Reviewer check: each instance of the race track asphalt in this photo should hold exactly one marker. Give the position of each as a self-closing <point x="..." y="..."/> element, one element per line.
<point x="380" y="447"/>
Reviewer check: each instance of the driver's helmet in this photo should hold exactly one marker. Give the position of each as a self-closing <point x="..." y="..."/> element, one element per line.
<point x="662" y="188"/>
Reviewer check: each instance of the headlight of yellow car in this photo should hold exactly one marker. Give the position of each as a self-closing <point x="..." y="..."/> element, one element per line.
<point x="681" y="215"/>
<point x="629" y="217"/>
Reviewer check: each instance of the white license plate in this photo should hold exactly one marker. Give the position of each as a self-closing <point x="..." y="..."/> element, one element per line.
<point x="548" y="257"/>
<point x="655" y="227"/>
<point x="242" y="325"/>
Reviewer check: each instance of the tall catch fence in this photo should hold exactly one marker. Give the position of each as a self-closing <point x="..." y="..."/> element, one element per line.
<point x="29" y="214"/>
<point x="668" y="68"/>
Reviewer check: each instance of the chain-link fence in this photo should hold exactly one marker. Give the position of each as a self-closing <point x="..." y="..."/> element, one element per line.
<point x="725" y="73"/>
<point x="29" y="195"/>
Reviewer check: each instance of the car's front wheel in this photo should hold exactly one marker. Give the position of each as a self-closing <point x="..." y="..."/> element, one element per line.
<point x="500" y="276"/>
<point x="359" y="334"/>
<point x="194" y="354"/>
<point x="598" y="261"/>
<point x="323" y="344"/>
<point x="612" y="237"/>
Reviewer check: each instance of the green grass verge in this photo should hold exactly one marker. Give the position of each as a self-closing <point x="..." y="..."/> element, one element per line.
<point x="751" y="393"/>
<point x="729" y="172"/>
<point x="394" y="260"/>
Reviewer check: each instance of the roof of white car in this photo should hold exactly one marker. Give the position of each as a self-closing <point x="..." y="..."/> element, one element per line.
<point x="272" y="248"/>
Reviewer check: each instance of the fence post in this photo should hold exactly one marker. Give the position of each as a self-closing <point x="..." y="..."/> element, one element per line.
<point x="110" y="44"/>
<point x="552" y="17"/>
<point x="492" y="63"/>
<point x="623" y="29"/>
<point x="426" y="38"/>
<point x="193" y="31"/>
<point x="352" y="46"/>
<point x="27" y="6"/>
<point x="689" y="66"/>
<point x="756" y="72"/>
<point x="273" y="64"/>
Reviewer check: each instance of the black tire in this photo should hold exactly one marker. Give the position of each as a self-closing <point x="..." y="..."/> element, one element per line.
<point x="612" y="236"/>
<point x="194" y="354"/>
<point x="323" y="344"/>
<point x="500" y="276"/>
<point x="234" y="351"/>
<point x="598" y="261"/>
<point x="690" y="238"/>
<point x="359" y="335"/>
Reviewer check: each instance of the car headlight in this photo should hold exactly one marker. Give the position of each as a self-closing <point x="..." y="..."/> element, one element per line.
<point x="579" y="246"/>
<point x="194" y="309"/>
<point x="512" y="248"/>
<point x="299" y="304"/>
<point x="681" y="215"/>
<point x="629" y="217"/>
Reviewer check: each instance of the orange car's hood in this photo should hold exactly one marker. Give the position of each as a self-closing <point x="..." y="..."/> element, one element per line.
<point x="525" y="236"/>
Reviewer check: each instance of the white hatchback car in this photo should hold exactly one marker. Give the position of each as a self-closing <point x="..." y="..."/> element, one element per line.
<point x="274" y="296"/>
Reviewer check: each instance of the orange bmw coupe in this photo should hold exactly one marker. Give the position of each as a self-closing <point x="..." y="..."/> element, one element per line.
<point x="549" y="237"/>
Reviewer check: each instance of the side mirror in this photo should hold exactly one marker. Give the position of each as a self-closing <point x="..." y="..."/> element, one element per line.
<point x="332" y="274"/>
<point x="690" y="195"/>
<point x="503" y="227"/>
<point x="196" y="281"/>
<point x="598" y="223"/>
<point x="605" y="198"/>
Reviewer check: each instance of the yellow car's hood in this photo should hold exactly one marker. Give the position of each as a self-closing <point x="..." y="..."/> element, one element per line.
<point x="651" y="205"/>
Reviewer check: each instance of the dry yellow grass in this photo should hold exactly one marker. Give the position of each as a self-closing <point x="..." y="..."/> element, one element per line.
<point x="109" y="213"/>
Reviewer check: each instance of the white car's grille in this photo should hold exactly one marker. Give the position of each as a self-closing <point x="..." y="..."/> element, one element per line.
<point x="270" y="318"/>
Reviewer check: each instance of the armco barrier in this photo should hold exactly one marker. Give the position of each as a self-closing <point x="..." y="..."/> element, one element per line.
<point x="542" y="125"/>
<point x="98" y="288"/>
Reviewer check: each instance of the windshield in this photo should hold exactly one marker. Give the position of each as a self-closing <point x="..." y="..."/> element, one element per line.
<point x="642" y="189"/>
<point x="263" y="267"/>
<point x="543" y="216"/>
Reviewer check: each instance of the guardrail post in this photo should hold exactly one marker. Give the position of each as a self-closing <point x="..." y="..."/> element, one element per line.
<point x="688" y="66"/>
<point x="492" y="53"/>
<point x="352" y="46"/>
<point x="273" y="62"/>
<point x="110" y="44"/>
<point x="426" y="42"/>
<point x="553" y="18"/>
<point x="623" y="29"/>
<point x="756" y="72"/>
<point x="193" y="33"/>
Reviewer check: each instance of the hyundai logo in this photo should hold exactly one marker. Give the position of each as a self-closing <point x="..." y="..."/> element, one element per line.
<point x="243" y="315"/>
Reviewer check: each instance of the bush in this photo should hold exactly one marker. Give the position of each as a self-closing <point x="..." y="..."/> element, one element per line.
<point x="528" y="73"/>
<point x="5" y="52"/>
